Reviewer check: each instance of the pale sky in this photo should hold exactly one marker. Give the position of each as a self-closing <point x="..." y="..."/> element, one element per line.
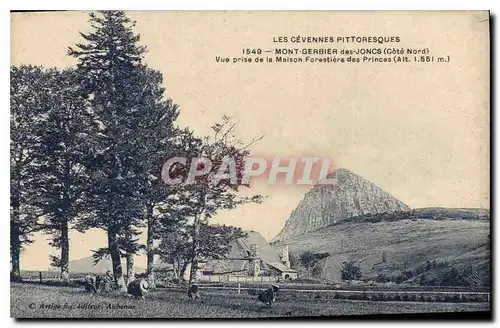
<point x="419" y="131"/>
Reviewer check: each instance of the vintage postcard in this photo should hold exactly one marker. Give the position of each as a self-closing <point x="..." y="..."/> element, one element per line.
<point x="250" y="164"/>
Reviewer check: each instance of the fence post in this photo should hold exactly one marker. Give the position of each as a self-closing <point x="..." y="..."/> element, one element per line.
<point x="239" y="288"/>
<point x="40" y="275"/>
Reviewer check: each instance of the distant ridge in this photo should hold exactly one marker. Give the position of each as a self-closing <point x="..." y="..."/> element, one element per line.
<point x="86" y="265"/>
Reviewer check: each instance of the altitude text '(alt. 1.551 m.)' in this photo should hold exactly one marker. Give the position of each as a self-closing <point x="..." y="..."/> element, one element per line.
<point x="250" y="164"/>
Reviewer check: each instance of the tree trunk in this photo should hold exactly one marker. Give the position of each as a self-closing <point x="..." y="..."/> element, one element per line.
<point x="130" y="268"/>
<point x="196" y="234"/>
<point x="183" y="270"/>
<point x="193" y="261"/>
<point x="66" y="204"/>
<point x="114" y="251"/>
<point x="192" y="271"/>
<point x="15" y="249"/>
<point x="150" y="246"/>
<point x="175" y="271"/>
<point x="64" y="251"/>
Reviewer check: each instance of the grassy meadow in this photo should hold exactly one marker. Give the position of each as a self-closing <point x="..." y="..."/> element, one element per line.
<point x="39" y="301"/>
<point x="406" y="244"/>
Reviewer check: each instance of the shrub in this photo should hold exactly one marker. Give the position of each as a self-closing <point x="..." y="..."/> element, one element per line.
<point x="398" y="279"/>
<point x="422" y="280"/>
<point x="382" y="278"/>
<point x="350" y="271"/>
<point x="447" y="298"/>
<point x="450" y="278"/>
<point x="432" y="282"/>
<point x="407" y="275"/>
<point x="253" y="291"/>
<point x="308" y="261"/>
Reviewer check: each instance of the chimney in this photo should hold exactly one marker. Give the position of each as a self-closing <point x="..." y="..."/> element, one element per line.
<point x="255" y="261"/>
<point x="285" y="259"/>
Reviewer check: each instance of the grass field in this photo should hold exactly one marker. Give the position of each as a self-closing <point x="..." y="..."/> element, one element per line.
<point x="36" y="301"/>
<point x="407" y="244"/>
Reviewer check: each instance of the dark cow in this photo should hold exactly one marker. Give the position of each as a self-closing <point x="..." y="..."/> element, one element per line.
<point x="138" y="288"/>
<point x="268" y="296"/>
<point x="194" y="292"/>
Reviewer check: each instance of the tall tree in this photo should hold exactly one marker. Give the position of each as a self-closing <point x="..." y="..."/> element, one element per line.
<point x="128" y="246"/>
<point x="28" y="86"/>
<point x="164" y="208"/>
<point x="134" y="131"/>
<point x="308" y="261"/>
<point x="111" y="61"/>
<point x="174" y="248"/>
<point x="209" y="193"/>
<point x="214" y="243"/>
<point x="312" y="262"/>
<point x="160" y="141"/>
<point x="62" y="178"/>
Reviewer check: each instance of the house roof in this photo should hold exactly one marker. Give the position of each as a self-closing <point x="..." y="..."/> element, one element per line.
<point x="237" y="258"/>
<point x="266" y="251"/>
<point x="281" y="267"/>
<point x="226" y="266"/>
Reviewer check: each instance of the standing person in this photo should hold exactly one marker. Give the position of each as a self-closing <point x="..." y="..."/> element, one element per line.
<point x="269" y="295"/>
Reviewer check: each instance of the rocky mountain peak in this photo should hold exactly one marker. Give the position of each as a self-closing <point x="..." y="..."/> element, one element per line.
<point x="324" y="205"/>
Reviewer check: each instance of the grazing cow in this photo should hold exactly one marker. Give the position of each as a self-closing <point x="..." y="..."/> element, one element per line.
<point x="138" y="288"/>
<point x="194" y="292"/>
<point x="268" y="296"/>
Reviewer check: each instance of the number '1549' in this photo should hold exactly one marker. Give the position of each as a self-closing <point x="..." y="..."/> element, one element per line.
<point x="248" y="51"/>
